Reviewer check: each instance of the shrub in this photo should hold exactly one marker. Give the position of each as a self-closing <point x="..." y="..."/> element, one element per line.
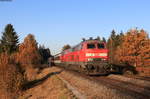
<point x="11" y="78"/>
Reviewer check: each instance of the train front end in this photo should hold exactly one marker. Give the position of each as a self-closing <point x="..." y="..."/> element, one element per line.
<point x="96" y="57"/>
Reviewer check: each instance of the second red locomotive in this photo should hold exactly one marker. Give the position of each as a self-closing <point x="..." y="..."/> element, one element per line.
<point x="89" y="56"/>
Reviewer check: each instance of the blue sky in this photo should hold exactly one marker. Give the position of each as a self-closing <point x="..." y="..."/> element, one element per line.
<point x="58" y="22"/>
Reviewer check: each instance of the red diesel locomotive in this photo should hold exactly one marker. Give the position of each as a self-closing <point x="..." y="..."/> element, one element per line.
<point x="90" y="57"/>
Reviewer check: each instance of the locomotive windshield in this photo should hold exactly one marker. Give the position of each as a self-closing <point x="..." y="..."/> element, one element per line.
<point x="100" y="46"/>
<point x="90" y="46"/>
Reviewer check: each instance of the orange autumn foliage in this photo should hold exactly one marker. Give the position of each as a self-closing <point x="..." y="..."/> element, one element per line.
<point x="11" y="79"/>
<point x="135" y="49"/>
<point x="28" y="51"/>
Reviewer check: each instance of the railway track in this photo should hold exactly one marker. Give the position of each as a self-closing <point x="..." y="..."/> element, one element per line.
<point x="136" y="90"/>
<point x="141" y="78"/>
<point x="129" y="88"/>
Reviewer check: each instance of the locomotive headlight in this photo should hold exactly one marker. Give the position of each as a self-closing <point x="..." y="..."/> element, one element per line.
<point x="90" y="54"/>
<point x="96" y="54"/>
<point x="103" y="59"/>
<point x="90" y="59"/>
<point x="102" y="54"/>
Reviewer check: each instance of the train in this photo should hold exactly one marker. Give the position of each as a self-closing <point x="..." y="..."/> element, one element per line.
<point x="90" y="57"/>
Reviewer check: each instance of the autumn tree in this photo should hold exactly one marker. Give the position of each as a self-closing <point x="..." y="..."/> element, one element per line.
<point x="9" y="40"/>
<point x="28" y="51"/>
<point x="145" y="53"/>
<point x="66" y="47"/>
<point x="144" y="48"/>
<point x="135" y="48"/>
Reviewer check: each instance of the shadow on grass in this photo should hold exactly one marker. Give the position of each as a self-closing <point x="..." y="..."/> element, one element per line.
<point x="36" y="82"/>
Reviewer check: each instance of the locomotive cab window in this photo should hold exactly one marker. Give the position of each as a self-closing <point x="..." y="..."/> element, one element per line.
<point x="100" y="45"/>
<point x="91" y="46"/>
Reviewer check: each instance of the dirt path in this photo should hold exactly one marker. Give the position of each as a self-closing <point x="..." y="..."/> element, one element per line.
<point x="47" y="86"/>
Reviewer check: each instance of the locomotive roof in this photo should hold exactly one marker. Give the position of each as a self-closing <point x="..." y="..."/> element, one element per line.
<point x="91" y="41"/>
<point x="86" y="41"/>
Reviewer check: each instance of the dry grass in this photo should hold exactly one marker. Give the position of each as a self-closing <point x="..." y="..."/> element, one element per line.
<point x="144" y="71"/>
<point x="10" y="81"/>
<point x="30" y="72"/>
<point x="49" y="85"/>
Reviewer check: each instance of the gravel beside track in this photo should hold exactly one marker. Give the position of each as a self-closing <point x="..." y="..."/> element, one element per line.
<point x="141" y="78"/>
<point x="135" y="81"/>
<point x="134" y="90"/>
<point x="74" y="90"/>
<point x="105" y="87"/>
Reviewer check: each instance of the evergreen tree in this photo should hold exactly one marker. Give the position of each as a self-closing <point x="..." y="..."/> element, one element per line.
<point x="98" y="38"/>
<point x="9" y="40"/>
<point x="104" y="40"/>
<point x="121" y="33"/>
<point x="113" y="43"/>
<point x="111" y="46"/>
<point x="45" y="53"/>
<point x="83" y="39"/>
<point x="65" y="47"/>
<point x="113" y="34"/>
<point x="0" y="47"/>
